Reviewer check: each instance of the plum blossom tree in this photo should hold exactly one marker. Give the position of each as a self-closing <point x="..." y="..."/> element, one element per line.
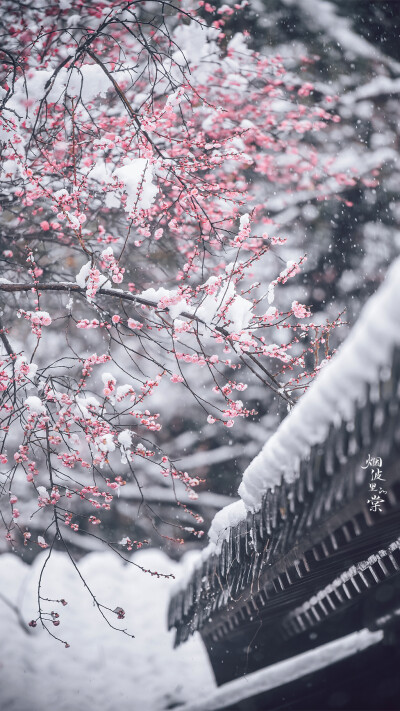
<point x="137" y="140"/>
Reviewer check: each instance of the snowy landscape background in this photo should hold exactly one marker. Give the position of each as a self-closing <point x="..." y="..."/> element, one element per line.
<point x="350" y="245"/>
<point x="102" y="668"/>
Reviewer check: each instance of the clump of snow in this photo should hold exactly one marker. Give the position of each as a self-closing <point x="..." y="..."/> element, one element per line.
<point x="101" y="171"/>
<point x="85" y="82"/>
<point x="225" y="519"/>
<point x="123" y="391"/>
<point x="244" y="221"/>
<point x="83" y="405"/>
<point x="197" y="47"/>
<point x="166" y="298"/>
<point x="83" y="275"/>
<point x="125" y="441"/>
<point x="137" y="176"/>
<point x="228" y="305"/>
<point x="42" y="491"/>
<point x="125" y="438"/>
<point x="35" y="405"/>
<point x="239" y="312"/>
<point x="59" y="194"/>
<point x="105" y="443"/>
<point x="83" y="279"/>
<point x="23" y="368"/>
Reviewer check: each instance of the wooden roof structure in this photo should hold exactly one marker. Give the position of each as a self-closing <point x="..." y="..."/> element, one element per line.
<point x="318" y="559"/>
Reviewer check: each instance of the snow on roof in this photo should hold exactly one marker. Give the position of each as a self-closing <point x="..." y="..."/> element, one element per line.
<point x="284" y="672"/>
<point x="345" y="576"/>
<point x="336" y="391"/>
<point x="332" y="397"/>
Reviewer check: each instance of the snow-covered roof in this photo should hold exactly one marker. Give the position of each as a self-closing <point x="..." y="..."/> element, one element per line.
<point x="249" y="686"/>
<point x="338" y="392"/>
<point x="332" y="397"/>
<point x="299" y="617"/>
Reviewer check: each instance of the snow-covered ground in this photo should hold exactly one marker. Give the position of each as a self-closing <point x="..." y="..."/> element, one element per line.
<point x="103" y="669"/>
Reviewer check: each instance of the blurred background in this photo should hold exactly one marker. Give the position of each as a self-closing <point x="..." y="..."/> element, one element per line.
<point x="353" y="56"/>
<point x="352" y="53"/>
